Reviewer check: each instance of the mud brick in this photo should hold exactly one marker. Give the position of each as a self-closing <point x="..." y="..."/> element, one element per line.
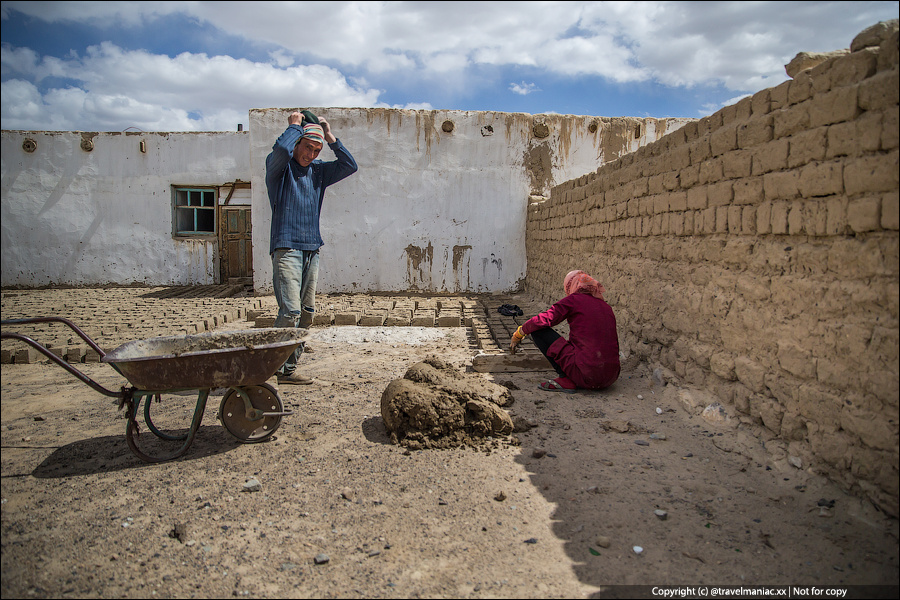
<point x="333" y="307"/>
<point x="489" y="345"/>
<point x="323" y="318"/>
<point x="399" y="318"/>
<point x="449" y="304"/>
<point x="264" y="321"/>
<point x="448" y="321"/>
<point x="486" y="343"/>
<point x="482" y="332"/>
<point x="26" y="356"/>
<point x="6" y="356"/>
<point x="346" y="318"/>
<point x="90" y="355"/>
<point x="74" y="354"/>
<point x="470" y="312"/>
<point x="373" y="318"/>
<point x="423" y="318"/>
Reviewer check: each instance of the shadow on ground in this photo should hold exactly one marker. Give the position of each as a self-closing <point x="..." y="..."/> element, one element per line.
<point x="646" y="494"/>
<point x="109" y="454"/>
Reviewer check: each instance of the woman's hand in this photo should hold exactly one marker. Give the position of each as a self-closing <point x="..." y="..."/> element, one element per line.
<point x="517" y="337"/>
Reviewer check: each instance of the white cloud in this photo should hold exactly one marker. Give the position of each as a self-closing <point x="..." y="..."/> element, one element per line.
<point x="22" y="105"/>
<point x="18" y="60"/>
<point x="442" y="62"/>
<point x="411" y="106"/>
<point x="677" y="43"/>
<point x="101" y="13"/>
<point x="741" y="45"/>
<point x="596" y="55"/>
<point x="144" y="90"/>
<point x="451" y="47"/>
<point x="708" y="109"/>
<point x="523" y="89"/>
<point x="738" y="44"/>
<point x="282" y="59"/>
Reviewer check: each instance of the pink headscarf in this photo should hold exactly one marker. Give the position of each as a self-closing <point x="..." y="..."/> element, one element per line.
<point x="582" y="283"/>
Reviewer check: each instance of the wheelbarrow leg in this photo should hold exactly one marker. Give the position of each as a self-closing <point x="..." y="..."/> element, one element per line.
<point x="148" y="400"/>
<point x="131" y="429"/>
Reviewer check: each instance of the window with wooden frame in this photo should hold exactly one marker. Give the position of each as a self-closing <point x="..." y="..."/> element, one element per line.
<point x="195" y="211"/>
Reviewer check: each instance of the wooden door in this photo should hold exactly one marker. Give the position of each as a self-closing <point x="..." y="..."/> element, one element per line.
<point x="235" y="251"/>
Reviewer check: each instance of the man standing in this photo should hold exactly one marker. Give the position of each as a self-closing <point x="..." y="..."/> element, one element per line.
<point x="296" y="182"/>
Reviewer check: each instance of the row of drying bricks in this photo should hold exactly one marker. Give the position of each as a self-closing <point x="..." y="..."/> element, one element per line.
<point x="398" y="312"/>
<point x="110" y="331"/>
<point x="65" y="344"/>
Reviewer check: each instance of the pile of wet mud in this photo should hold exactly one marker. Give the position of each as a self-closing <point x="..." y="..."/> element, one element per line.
<point x="436" y="406"/>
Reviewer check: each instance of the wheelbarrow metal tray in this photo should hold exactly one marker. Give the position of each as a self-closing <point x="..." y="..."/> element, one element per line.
<point x="206" y="360"/>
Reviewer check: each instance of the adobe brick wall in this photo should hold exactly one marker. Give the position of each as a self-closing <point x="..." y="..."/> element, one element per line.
<point x="755" y="254"/>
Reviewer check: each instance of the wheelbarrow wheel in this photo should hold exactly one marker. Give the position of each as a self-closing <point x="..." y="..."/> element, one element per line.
<point x="251" y="426"/>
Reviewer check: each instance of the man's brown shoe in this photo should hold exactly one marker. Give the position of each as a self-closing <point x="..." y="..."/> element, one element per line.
<point x="294" y="379"/>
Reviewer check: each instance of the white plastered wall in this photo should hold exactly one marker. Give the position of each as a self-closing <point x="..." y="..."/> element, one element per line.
<point x="427" y="210"/>
<point x="431" y="210"/>
<point x="76" y="217"/>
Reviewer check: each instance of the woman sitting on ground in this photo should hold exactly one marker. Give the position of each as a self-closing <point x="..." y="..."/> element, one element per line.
<point x="590" y="357"/>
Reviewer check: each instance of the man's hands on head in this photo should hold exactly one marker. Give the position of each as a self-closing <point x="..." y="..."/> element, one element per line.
<point x="326" y="127"/>
<point x="296" y="118"/>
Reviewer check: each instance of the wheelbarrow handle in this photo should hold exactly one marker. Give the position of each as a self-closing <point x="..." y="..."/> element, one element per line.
<point x="40" y="348"/>
<point x="71" y="325"/>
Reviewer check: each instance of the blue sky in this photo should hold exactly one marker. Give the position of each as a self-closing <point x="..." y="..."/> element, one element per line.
<point x="201" y="66"/>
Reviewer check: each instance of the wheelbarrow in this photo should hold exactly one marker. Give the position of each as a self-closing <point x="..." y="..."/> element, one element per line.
<point x="241" y="361"/>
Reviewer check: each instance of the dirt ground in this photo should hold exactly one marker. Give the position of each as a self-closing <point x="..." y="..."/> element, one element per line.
<point x="607" y="488"/>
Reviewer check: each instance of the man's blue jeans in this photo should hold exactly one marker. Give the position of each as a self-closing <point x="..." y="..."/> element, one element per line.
<point x="295" y="274"/>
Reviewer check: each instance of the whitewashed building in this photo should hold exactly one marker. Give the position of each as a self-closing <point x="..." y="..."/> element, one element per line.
<point x="438" y="204"/>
